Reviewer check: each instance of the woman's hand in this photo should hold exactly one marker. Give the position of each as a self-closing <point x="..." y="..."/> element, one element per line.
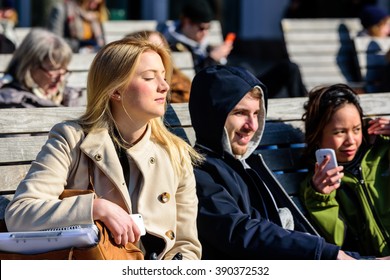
<point x="326" y="181"/>
<point x="123" y="229"/>
<point x="379" y="126"/>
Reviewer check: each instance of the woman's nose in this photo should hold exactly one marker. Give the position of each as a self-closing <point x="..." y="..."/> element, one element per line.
<point x="350" y="138"/>
<point x="163" y="86"/>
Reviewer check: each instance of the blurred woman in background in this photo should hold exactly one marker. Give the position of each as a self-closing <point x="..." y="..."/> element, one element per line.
<point x="36" y="74"/>
<point x="80" y="22"/>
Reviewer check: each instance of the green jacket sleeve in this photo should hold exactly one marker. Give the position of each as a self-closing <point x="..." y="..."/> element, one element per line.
<point x="323" y="209"/>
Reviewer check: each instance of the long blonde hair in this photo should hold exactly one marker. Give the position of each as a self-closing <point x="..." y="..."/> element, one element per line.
<point x="112" y="70"/>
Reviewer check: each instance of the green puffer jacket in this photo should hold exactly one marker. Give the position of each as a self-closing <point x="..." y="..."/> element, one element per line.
<point x="357" y="215"/>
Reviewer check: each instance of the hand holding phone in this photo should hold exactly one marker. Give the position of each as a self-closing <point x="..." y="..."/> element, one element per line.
<point x="321" y="155"/>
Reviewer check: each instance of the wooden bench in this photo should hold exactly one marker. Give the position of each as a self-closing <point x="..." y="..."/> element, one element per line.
<point x="324" y="49"/>
<point x="281" y="145"/>
<point x="372" y="61"/>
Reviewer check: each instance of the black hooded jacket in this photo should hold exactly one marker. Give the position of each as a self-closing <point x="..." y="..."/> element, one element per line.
<point x="238" y="216"/>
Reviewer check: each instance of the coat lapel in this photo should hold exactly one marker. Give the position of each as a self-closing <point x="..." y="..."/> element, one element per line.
<point x="99" y="147"/>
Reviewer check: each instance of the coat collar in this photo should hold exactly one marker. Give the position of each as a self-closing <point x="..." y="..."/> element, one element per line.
<point x="99" y="147"/>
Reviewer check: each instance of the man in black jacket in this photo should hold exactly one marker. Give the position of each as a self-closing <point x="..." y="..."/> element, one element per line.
<point x="239" y="217"/>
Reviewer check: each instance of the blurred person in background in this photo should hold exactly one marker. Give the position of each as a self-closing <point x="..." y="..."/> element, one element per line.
<point x="36" y="74"/>
<point x="190" y="33"/>
<point x="376" y="24"/>
<point x="80" y="22"/>
<point x="8" y="20"/>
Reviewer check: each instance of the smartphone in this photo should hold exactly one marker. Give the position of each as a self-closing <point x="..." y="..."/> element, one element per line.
<point x="321" y="155"/>
<point x="139" y="221"/>
<point x="230" y="37"/>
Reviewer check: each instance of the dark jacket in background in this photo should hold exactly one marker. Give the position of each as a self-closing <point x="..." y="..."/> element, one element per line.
<point x="178" y="42"/>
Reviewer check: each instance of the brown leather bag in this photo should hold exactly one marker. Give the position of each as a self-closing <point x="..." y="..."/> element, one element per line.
<point x="106" y="249"/>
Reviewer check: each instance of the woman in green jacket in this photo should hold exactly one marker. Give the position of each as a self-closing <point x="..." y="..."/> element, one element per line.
<point x="350" y="204"/>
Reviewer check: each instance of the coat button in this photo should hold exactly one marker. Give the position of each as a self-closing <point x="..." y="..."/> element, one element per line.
<point x="164" y="197"/>
<point x="98" y="157"/>
<point x="170" y="234"/>
<point x="152" y="160"/>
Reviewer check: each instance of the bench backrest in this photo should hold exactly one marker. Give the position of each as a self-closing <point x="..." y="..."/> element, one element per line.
<point x="324" y="49"/>
<point x="372" y="61"/>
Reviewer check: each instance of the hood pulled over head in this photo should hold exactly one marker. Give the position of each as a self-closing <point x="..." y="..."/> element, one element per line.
<point x="215" y="91"/>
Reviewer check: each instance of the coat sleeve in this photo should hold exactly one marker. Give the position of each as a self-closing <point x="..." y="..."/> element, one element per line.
<point x="323" y="209"/>
<point x="36" y="205"/>
<point x="225" y="226"/>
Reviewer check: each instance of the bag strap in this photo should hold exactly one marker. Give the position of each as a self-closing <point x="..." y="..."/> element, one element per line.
<point x="75" y="192"/>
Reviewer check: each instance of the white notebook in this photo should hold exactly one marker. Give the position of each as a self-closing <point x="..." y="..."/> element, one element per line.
<point x="34" y="242"/>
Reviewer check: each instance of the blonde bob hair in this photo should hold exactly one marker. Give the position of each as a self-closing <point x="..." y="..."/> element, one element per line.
<point x="112" y="70"/>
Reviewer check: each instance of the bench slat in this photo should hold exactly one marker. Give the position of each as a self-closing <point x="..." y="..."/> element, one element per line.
<point x="20" y="149"/>
<point x="12" y="175"/>
<point x="34" y="120"/>
<point x="291" y="181"/>
<point x="283" y="159"/>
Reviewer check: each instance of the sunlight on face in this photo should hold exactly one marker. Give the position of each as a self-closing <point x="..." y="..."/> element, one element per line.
<point x="242" y="123"/>
<point x="145" y="97"/>
<point x="343" y="133"/>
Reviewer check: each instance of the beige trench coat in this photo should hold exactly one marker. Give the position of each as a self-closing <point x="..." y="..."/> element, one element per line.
<point x="63" y="163"/>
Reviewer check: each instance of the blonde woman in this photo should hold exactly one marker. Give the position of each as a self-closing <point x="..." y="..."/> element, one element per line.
<point x="138" y="166"/>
